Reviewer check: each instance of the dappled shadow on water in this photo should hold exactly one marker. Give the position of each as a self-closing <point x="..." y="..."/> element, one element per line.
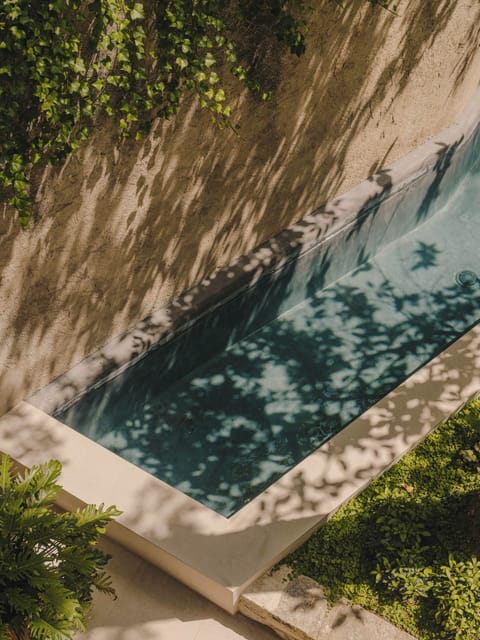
<point x="293" y="506"/>
<point x="299" y="500"/>
<point x="223" y="428"/>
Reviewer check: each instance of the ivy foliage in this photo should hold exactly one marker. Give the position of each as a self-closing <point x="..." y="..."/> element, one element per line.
<point x="49" y="561"/>
<point x="62" y="62"/>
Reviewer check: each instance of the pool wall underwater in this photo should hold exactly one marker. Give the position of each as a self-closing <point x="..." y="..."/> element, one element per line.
<point x="220" y="557"/>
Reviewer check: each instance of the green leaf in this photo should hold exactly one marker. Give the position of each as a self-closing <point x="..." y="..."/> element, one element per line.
<point x="5" y="470"/>
<point x="93" y="514"/>
<point x="137" y="13"/>
<point x="209" y="60"/>
<point x="79" y="66"/>
<point x="182" y="63"/>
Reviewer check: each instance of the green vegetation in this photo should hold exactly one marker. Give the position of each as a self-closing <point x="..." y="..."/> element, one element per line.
<point x="64" y="62"/>
<point x="49" y="561"/>
<point x="407" y="547"/>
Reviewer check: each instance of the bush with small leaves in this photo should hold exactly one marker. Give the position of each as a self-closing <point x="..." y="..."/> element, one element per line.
<point x="456" y="591"/>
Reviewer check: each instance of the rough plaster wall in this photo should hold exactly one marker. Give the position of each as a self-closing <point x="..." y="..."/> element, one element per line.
<point x="122" y="229"/>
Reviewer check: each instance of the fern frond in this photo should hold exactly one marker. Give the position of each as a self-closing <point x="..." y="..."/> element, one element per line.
<point x="103" y="583"/>
<point x="37" y="485"/>
<point x="40" y="629"/>
<point x="96" y="514"/>
<point x="5" y="472"/>
<point x="27" y="563"/>
<point x="21" y="602"/>
<point x="83" y="563"/>
<point x="60" y="601"/>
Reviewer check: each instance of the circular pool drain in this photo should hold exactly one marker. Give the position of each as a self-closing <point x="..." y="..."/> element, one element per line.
<point x="466" y="279"/>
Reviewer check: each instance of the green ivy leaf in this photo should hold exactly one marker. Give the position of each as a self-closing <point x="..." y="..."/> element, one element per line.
<point x="137" y="13"/>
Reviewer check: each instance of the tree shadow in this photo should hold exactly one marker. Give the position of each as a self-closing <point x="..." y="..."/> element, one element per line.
<point x="298" y="503"/>
<point x="471" y="45"/>
<point x="252" y="388"/>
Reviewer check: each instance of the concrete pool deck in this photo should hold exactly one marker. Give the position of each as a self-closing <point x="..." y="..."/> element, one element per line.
<point x="153" y="606"/>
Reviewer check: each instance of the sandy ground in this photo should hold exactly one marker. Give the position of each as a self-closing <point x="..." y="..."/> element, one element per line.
<point x="122" y="229"/>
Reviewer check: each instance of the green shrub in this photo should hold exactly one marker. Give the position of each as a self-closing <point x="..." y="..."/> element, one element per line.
<point x="63" y="62"/>
<point x="456" y="589"/>
<point x="452" y="592"/>
<point x="49" y="562"/>
<point x="407" y="546"/>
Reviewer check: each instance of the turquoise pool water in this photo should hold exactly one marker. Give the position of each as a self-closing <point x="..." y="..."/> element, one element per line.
<point x="225" y="430"/>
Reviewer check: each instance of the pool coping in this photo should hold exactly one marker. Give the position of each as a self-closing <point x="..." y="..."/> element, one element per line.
<point x="216" y="556"/>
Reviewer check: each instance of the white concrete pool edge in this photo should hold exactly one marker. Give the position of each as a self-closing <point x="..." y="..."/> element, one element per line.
<point x="221" y="557"/>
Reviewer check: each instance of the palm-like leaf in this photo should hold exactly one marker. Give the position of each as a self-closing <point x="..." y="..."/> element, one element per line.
<point x="49" y="561"/>
<point x="103" y="583"/>
<point x="40" y="629"/>
<point x="37" y="486"/>
<point x="99" y="516"/>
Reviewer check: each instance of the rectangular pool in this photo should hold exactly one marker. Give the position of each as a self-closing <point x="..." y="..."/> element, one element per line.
<point x="223" y="429"/>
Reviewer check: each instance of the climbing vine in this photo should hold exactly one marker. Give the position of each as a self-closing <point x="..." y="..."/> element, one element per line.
<point x="63" y="62"/>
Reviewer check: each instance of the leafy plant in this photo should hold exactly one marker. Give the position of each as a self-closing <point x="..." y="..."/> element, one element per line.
<point x="63" y="62"/>
<point x="452" y="592"/>
<point x="49" y="562"/>
<point x="457" y="593"/>
<point x="409" y="542"/>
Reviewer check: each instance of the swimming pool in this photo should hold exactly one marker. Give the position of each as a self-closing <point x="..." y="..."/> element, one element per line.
<point x="297" y="278"/>
<point x="227" y="429"/>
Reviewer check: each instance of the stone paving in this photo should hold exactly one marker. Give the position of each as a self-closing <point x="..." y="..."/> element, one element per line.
<point x="153" y="606"/>
<point x="297" y="610"/>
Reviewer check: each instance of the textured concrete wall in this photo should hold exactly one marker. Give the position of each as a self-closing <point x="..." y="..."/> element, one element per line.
<point x="122" y="229"/>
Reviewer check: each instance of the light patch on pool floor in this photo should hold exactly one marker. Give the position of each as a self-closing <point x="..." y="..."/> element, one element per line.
<point x="220" y="557"/>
